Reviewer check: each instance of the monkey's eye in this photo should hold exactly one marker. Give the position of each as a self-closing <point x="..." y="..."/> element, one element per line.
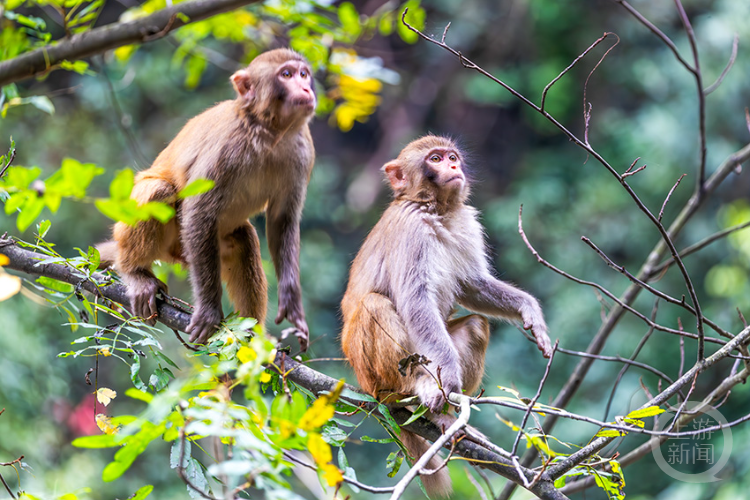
<point x="435" y="158"/>
<point x="453" y="158"/>
<point x="303" y="73"/>
<point x="286" y="73"/>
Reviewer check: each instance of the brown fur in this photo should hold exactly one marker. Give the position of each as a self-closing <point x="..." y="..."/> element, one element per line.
<point x="425" y="254"/>
<point x="259" y="152"/>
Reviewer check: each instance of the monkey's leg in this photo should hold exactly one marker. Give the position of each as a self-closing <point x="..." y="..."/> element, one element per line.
<point x="138" y="247"/>
<point x="242" y="269"/>
<point x="374" y="341"/>
<point x="471" y="336"/>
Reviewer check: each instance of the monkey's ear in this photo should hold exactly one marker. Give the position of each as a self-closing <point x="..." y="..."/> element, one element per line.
<point x="242" y="84"/>
<point x="396" y="175"/>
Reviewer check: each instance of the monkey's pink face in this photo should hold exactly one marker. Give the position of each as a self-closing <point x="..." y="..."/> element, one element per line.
<point x="444" y="168"/>
<point x="299" y="93"/>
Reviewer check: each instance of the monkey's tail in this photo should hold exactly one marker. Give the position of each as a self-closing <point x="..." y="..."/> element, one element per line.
<point x="437" y="484"/>
<point x="107" y="253"/>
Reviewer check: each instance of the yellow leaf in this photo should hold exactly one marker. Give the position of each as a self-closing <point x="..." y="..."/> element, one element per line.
<point x="9" y="285"/>
<point x="265" y="377"/>
<point x="104" y="351"/>
<point x="649" y="411"/>
<point x="105" y="395"/>
<point x="4" y="260"/>
<point x="319" y="449"/>
<point x="125" y="52"/>
<point x="286" y="429"/>
<point x="246" y="354"/>
<point x="318" y="414"/>
<point x="331" y="474"/>
<point x="105" y="424"/>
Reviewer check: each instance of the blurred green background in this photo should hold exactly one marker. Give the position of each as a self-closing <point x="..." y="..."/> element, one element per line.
<point x="643" y="105"/>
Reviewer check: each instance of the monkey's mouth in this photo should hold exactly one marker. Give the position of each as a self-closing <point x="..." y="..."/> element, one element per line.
<point x="458" y="177"/>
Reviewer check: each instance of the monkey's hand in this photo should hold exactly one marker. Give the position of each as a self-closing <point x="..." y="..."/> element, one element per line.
<point x="432" y="396"/>
<point x="204" y="323"/>
<point x="534" y="321"/>
<point x="290" y="307"/>
<point x="142" y="294"/>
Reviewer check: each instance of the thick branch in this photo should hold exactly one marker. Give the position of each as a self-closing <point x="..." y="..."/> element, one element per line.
<point x="314" y="381"/>
<point x="114" y="35"/>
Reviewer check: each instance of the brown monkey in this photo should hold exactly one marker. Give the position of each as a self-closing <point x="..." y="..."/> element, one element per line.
<point x="426" y="253"/>
<point x="259" y="152"/>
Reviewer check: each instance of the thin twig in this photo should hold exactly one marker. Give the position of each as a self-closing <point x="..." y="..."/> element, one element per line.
<point x="701" y="103"/>
<point x="12" y="157"/>
<point x="587" y="112"/>
<point x="658" y="293"/>
<point x="570" y="66"/>
<point x="636" y="351"/>
<point x="606" y="292"/>
<point x="699" y="246"/>
<point x="732" y="57"/>
<point x="7" y="487"/>
<point x="455" y="427"/>
<point x="534" y="400"/>
<point x="475" y="483"/>
<point x="669" y="195"/>
<point x="664" y="38"/>
<point x="618" y="359"/>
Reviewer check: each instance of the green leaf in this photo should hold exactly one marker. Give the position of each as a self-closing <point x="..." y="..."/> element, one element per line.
<point x="158" y="210"/>
<point x="373" y="440"/>
<point x="418" y="413"/>
<point x="54" y="284"/>
<point x="393" y="462"/>
<point x="142" y="492"/>
<point x="139" y="395"/>
<point x="43" y="227"/>
<point x="649" y="411"/>
<point x="94" y="258"/>
<point x="198" y="186"/>
<point x="30" y="211"/>
<point x="356" y="396"/>
<point x="159" y="379"/>
<point x="122" y="185"/>
<point x="98" y="441"/>
<point x="389" y="419"/>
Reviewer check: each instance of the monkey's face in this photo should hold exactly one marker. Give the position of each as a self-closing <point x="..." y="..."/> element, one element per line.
<point x="443" y="168"/>
<point x="295" y="89"/>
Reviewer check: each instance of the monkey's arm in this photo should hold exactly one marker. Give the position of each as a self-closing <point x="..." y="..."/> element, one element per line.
<point x="488" y="295"/>
<point x="201" y="243"/>
<point x="282" y="229"/>
<point x="418" y="303"/>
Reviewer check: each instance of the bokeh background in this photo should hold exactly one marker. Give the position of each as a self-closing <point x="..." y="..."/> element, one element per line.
<point x="643" y="105"/>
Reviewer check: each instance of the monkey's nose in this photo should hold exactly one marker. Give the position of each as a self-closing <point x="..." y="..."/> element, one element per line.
<point x="454" y="167"/>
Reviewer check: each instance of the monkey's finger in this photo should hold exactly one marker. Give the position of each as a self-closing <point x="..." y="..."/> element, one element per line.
<point x="281" y="315"/>
<point x="304" y="340"/>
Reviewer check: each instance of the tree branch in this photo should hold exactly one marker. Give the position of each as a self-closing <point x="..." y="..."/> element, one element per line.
<point x="28" y="262"/>
<point x="111" y="36"/>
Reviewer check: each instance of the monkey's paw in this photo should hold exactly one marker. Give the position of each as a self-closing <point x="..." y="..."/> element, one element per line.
<point x="431" y="395"/>
<point x="143" y="300"/>
<point x="203" y="324"/>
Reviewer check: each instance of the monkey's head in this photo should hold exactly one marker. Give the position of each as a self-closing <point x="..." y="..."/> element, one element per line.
<point x="429" y="169"/>
<point x="278" y="88"/>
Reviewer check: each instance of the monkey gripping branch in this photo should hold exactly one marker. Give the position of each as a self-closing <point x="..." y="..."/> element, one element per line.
<point x="104" y="289"/>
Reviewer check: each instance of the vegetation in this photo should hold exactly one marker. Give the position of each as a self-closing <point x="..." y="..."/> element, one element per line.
<point x="100" y="405"/>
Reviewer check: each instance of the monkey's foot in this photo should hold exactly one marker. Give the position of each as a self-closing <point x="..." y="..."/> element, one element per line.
<point x="203" y="324"/>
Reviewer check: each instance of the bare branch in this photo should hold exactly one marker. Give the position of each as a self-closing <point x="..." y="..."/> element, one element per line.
<point x="669" y="195"/>
<point x="534" y="400"/>
<point x="636" y="351"/>
<point x="619" y="359"/>
<point x="732" y="58"/>
<point x="460" y="423"/>
<point x="656" y="31"/>
<point x="700" y="245"/>
<point x="111" y="36"/>
<point x="587" y="112"/>
<point x="570" y="66"/>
